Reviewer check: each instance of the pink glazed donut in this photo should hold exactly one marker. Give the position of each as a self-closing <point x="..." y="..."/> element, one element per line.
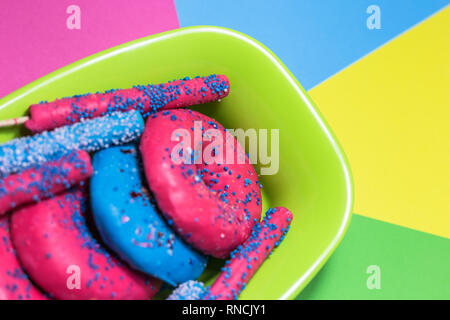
<point x="208" y="190"/>
<point x="14" y="283"/>
<point x="58" y="252"/>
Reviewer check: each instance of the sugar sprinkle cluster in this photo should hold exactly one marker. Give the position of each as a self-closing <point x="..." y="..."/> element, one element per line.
<point x="189" y="290"/>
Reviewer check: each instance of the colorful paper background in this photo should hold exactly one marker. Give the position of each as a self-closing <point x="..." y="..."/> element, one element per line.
<point x="392" y="120"/>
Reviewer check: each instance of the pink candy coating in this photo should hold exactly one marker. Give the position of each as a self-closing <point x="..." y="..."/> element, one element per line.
<point x="14" y="283"/>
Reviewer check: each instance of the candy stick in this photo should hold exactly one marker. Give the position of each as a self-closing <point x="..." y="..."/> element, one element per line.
<point x="44" y="181"/>
<point x="247" y="258"/>
<point x="244" y="262"/>
<point x="89" y="135"/>
<point x="146" y="99"/>
<point x="13" y="122"/>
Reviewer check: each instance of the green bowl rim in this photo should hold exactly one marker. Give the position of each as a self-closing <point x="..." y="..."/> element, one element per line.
<point x="315" y="267"/>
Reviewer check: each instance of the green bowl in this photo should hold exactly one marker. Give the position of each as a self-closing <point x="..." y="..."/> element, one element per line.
<point x="314" y="179"/>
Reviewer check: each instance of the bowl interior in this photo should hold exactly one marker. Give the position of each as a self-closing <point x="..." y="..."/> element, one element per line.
<point x="313" y="180"/>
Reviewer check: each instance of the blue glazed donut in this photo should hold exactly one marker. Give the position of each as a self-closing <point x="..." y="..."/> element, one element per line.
<point x="129" y="223"/>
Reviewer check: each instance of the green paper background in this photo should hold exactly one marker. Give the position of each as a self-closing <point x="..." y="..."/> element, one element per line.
<point x="413" y="264"/>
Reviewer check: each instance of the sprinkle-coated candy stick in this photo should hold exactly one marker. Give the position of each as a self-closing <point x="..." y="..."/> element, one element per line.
<point x="44" y="181"/>
<point x="89" y="135"/>
<point x="146" y="99"/>
<point x="189" y="290"/>
<point x="248" y="257"/>
<point x="244" y="261"/>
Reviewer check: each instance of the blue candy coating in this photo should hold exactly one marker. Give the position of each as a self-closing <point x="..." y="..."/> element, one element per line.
<point x="88" y="135"/>
<point x="129" y="223"/>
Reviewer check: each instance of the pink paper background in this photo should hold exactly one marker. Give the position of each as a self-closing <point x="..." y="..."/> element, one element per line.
<point x="35" y="39"/>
